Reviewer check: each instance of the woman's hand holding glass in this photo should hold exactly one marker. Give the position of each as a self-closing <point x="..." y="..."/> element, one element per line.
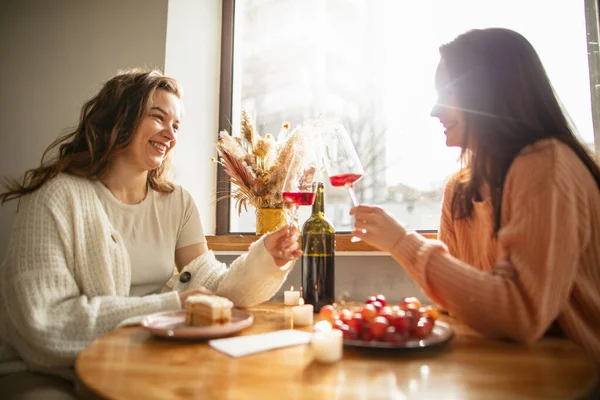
<point x="283" y="244"/>
<point x="376" y="227"/>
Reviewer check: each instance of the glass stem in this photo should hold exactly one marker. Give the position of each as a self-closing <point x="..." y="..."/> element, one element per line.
<point x="304" y="246"/>
<point x="354" y="239"/>
<point x="293" y="216"/>
<point x="352" y="195"/>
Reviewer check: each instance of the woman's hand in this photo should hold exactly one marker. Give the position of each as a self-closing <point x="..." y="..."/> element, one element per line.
<point x="283" y="244"/>
<point x="192" y="292"/>
<point x="376" y="227"/>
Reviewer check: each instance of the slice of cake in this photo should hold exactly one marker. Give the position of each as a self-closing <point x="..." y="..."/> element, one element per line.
<point x="203" y="309"/>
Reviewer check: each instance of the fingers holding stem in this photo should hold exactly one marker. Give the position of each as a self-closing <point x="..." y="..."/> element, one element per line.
<point x="289" y="246"/>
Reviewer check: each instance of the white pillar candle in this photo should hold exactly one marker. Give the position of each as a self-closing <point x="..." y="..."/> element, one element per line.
<point x="302" y="315"/>
<point x="291" y="297"/>
<point x="327" y="343"/>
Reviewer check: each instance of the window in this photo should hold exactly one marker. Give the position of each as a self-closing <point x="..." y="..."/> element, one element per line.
<point x="371" y="64"/>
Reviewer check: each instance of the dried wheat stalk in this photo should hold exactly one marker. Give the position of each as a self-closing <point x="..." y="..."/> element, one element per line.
<point x="257" y="166"/>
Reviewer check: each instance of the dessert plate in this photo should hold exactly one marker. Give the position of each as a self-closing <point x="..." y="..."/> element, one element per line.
<point x="440" y="335"/>
<point x="171" y="324"/>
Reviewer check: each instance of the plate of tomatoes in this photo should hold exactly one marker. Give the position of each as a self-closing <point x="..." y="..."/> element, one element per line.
<point x="377" y="324"/>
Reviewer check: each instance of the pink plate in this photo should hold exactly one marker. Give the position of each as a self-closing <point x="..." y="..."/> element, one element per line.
<point x="171" y="324"/>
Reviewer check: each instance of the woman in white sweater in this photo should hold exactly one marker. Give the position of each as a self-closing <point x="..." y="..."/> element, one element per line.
<point x="100" y="228"/>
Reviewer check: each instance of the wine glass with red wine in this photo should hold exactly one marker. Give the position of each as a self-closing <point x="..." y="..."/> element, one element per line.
<point x="341" y="161"/>
<point x="300" y="182"/>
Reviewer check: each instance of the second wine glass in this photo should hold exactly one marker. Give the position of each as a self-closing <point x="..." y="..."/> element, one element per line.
<point x="342" y="162"/>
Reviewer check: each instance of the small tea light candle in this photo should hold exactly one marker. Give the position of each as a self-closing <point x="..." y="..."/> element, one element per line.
<point x="291" y="297"/>
<point x="327" y="343"/>
<point x="302" y="314"/>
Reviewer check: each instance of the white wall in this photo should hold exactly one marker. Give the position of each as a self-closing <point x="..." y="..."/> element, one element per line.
<point x="193" y="57"/>
<point x="55" y="55"/>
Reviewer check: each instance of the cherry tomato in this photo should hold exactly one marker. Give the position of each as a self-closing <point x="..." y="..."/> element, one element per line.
<point x="338" y="324"/>
<point x="369" y="312"/>
<point x="391" y="336"/>
<point x="378" y="327"/>
<point x="345" y="315"/>
<point x="387" y="313"/>
<point x="411" y="300"/>
<point x="423" y="328"/>
<point x="328" y="312"/>
<point x="356" y="322"/>
<point x="402" y="322"/>
<point x="349" y="333"/>
<point x="430" y="312"/>
<point x="378" y="306"/>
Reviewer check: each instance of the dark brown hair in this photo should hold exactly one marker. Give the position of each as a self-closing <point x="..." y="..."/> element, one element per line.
<point x="106" y="126"/>
<point x="508" y="103"/>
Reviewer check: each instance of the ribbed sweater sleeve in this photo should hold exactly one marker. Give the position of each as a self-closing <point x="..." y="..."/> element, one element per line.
<point x="446" y="232"/>
<point x="257" y="269"/>
<point x="545" y="228"/>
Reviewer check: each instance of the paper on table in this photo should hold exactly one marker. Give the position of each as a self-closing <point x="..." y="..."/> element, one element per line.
<point x="244" y="345"/>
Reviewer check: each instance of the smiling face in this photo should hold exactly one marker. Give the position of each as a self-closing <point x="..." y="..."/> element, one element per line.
<point x="156" y="134"/>
<point x="447" y="111"/>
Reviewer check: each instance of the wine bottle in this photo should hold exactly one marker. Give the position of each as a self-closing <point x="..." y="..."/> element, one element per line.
<point x="318" y="258"/>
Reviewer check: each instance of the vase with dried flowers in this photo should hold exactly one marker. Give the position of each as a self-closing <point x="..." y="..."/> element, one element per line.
<point x="257" y="167"/>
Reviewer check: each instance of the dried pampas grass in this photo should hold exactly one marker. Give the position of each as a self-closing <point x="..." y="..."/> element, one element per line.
<point x="257" y="166"/>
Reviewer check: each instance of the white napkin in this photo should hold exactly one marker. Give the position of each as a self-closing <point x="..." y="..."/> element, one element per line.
<point x="244" y="345"/>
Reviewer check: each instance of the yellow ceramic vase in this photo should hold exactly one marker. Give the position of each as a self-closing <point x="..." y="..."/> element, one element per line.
<point x="270" y="219"/>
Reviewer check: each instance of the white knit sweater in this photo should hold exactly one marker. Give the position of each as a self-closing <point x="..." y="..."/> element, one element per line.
<point x="66" y="277"/>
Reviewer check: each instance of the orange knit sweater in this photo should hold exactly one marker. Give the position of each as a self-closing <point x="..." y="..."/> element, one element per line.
<point x="549" y="242"/>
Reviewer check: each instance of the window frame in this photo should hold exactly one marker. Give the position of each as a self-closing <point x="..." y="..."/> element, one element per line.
<point x="223" y="187"/>
<point x="593" y="33"/>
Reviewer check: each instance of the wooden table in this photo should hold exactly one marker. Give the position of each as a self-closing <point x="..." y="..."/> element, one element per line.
<point x="132" y="364"/>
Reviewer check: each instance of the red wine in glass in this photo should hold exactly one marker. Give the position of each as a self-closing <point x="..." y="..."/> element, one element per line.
<point x="299" y="185"/>
<point x="344" y="179"/>
<point x="299" y="198"/>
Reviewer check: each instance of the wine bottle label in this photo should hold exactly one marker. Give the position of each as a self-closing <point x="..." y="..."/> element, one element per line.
<point x="318" y="244"/>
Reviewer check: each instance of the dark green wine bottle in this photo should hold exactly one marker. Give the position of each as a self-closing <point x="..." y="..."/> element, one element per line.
<point x="318" y="258"/>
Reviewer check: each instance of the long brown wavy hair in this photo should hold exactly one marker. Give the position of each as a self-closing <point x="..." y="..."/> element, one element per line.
<point x="508" y="102"/>
<point x="106" y="126"/>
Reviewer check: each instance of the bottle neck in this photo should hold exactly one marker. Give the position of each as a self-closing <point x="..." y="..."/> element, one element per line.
<point x="318" y="207"/>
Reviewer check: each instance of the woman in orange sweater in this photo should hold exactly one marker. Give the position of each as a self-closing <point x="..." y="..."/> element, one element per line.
<point x="520" y="226"/>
